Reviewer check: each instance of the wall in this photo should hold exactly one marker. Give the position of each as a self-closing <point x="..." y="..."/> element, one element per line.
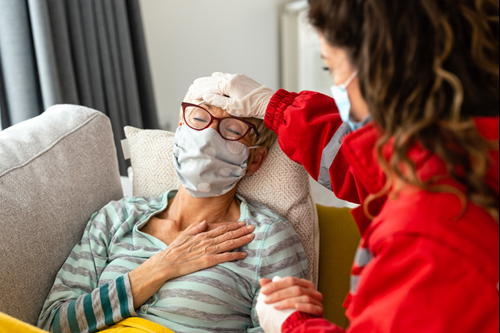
<point x="188" y="39"/>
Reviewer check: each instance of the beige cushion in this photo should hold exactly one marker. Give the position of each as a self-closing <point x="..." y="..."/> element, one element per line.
<point x="280" y="184"/>
<point x="56" y="170"/>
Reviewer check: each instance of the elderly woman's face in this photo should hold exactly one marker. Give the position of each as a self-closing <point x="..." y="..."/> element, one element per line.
<point x="248" y="139"/>
<point x="257" y="156"/>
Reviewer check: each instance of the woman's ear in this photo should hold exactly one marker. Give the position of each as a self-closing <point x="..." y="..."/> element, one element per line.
<point x="257" y="160"/>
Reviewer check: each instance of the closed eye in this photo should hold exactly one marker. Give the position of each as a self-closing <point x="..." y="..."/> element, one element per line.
<point x="201" y="120"/>
<point x="234" y="132"/>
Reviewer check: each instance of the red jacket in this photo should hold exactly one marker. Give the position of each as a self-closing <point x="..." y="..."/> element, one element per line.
<point x="421" y="266"/>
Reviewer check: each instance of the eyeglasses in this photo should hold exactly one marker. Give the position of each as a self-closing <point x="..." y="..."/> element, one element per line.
<point x="231" y="129"/>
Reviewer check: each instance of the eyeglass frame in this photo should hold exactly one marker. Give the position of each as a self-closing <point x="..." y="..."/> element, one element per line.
<point x="250" y="125"/>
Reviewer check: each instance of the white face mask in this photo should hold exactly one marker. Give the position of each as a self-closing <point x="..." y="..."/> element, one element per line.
<point x="341" y="96"/>
<point x="208" y="165"/>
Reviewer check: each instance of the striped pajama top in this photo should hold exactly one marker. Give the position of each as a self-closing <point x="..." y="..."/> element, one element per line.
<point x="92" y="290"/>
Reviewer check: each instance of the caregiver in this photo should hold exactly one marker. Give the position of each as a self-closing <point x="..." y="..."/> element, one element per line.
<point x="412" y="136"/>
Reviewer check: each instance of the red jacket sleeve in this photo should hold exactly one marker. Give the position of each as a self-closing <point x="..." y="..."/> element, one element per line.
<point x="310" y="132"/>
<point x="303" y="323"/>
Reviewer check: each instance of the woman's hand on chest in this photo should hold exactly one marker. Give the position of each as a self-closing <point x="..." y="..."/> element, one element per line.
<point x="198" y="248"/>
<point x="195" y="249"/>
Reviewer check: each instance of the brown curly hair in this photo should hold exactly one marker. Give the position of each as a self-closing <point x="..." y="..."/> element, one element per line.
<point x="426" y="69"/>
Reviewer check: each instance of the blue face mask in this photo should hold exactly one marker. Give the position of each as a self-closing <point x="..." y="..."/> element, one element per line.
<point x="341" y="96"/>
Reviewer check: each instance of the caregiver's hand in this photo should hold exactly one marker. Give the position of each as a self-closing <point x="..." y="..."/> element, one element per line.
<point x="239" y="95"/>
<point x="194" y="250"/>
<point x="295" y="294"/>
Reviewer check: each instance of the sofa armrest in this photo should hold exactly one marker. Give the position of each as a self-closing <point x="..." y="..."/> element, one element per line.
<point x="56" y="170"/>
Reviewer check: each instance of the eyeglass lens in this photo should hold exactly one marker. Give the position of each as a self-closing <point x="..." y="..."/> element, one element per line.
<point x="230" y="128"/>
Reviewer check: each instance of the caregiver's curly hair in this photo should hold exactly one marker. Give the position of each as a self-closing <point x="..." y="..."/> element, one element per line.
<point x="427" y="67"/>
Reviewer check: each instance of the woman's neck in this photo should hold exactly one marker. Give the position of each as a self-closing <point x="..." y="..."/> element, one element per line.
<point x="185" y="210"/>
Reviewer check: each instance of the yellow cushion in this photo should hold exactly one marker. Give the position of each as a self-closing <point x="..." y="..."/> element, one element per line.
<point x="339" y="241"/>
<point x="137" y="325"/>
<point x="9" y="324"/>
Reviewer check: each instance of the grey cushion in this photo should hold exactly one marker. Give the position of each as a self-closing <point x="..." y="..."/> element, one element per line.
<point x="56" y="170"/>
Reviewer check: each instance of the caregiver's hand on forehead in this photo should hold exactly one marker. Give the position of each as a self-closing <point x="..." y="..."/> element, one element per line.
<point x="239" y="95"/>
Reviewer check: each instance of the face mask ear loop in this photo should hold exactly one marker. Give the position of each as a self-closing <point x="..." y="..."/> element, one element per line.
<point x="351" y="78"/>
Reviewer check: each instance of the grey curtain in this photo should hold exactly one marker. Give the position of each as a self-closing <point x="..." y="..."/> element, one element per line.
<point x="85" y="52"/>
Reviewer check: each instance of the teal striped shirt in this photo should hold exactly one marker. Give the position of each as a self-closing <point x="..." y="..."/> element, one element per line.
<point x="92" y="289"/>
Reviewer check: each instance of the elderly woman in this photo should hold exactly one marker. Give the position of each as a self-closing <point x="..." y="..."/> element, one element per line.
<point x="152" y="258"/>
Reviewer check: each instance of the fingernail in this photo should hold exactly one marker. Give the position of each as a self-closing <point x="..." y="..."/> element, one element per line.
<point x="265" y="291"/>
<point x="251" y="227"/>
<point x="242" y="223"/>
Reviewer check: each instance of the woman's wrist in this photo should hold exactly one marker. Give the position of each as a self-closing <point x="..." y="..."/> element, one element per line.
<point x="146" y="280"/>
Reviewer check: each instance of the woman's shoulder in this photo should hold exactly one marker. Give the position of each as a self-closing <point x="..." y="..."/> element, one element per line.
<point x="144" y="204"/>
<point x="261" y="213"/>
<point x="267" y="222"/>
<point x="129" y="210"/>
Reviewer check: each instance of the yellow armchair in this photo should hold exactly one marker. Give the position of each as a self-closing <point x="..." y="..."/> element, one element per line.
<point x="339" y="241"/>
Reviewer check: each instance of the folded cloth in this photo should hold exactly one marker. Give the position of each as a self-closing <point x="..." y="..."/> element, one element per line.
<point x="9" y="324"/>
<point x="271" y="319"/>
<point x="137" y="325"/>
